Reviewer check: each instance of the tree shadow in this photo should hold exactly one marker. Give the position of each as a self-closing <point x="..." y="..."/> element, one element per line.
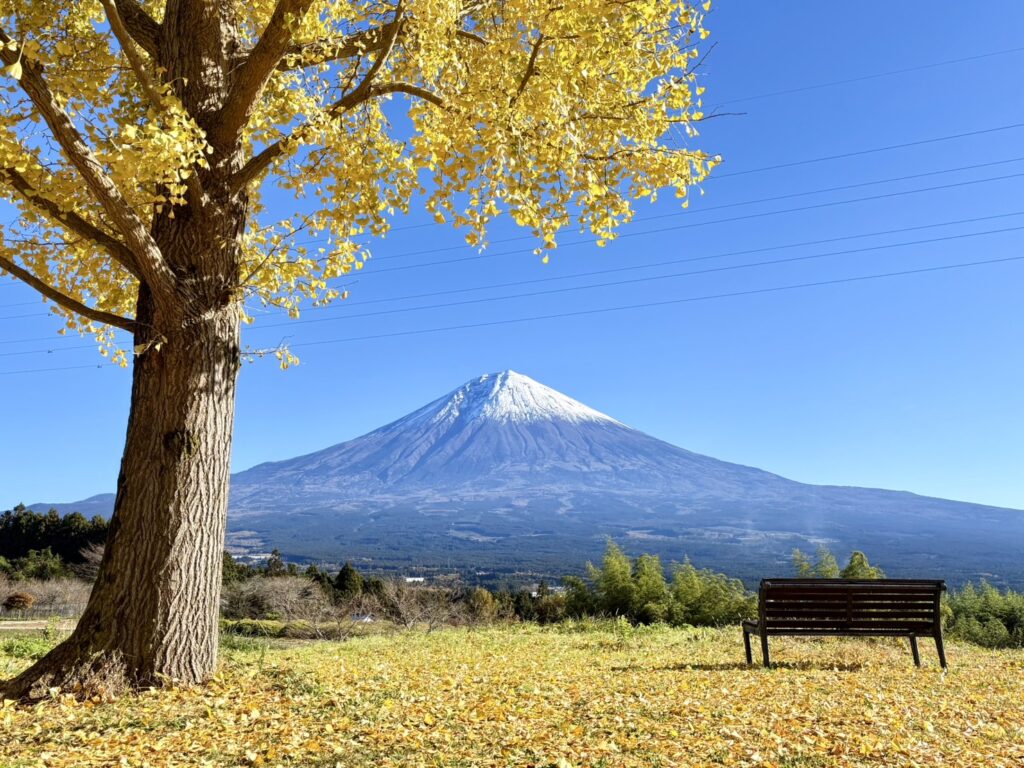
<point x="734" y="666"/>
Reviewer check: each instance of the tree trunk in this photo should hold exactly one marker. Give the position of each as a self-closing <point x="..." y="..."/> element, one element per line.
<point x="153" y="612"/>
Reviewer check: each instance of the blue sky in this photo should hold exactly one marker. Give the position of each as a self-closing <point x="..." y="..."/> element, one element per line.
<point x="913" y="382"/>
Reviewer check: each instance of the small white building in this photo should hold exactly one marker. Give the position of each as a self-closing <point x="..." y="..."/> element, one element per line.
<point x="415" y="579"/>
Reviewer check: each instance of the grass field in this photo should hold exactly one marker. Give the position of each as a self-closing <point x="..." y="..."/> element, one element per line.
<point x="529" y="696"/>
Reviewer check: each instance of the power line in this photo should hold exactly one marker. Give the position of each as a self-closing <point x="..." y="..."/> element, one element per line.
<point x="740" y="203"/>
<point x="592" y="273"/>
<point x="64" y="368"/>
<point x="658" y="230"/>
<point x="670" y="262"/>
<point x="812" y="160"/>
<point x="795" y="163"/>
<point x="26" y="341"/>
<point x="602" y="310"/>
<point x="861" y="152"/>
<point x="48" y="351"/>
<point x="729" y="220"/>
<point x="667" y="302"/>
<point x="616" y="283"/>
<point x="861" y="78"/>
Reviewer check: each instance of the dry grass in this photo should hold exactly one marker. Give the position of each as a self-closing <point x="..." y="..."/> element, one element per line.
<point x="527" y="696"/>
<point x="53" y="597"/>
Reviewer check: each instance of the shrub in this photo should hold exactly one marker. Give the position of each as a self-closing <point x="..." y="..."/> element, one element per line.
<point x="639" y="593"/>
<point x="481" y="606"/>
<point x="31" y="648"/>
<point x="288" y="598"/>
<point x="18" y="601"/>
<point x="36" y="564"/>
<point x="985" y="616"/>
<point x="550" y="608"/>
<point x="51" y="597"/>
<point x="703" y="598"/>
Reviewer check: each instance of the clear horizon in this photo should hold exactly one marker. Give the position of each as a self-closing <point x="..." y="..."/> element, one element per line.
<point x="910" y="382"/>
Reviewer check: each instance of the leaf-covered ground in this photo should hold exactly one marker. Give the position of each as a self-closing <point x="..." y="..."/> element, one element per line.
<point x="528" y="696"/>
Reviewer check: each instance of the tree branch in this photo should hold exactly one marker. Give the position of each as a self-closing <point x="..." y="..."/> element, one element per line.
<point x="531" y="68"/>
<point x="365" y="41"/>
<point x="361" y="93"/>
<point x="154" y="269"/>
<point x="134" y="59"/>
<point x="253" y="74"/>
<point x="261" y="161"/>
<point x="361" y="90"/>
<point x="73" y="222"/>
<point x="465" y="33"/>
<point x="408" y="88"/>
<point x="140" y="26"/>
<point x="358" y="44"/>
<point x="70" y="304"/>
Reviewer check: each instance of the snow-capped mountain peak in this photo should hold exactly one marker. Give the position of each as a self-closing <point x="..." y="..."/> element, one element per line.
<point x="509" y="396"/>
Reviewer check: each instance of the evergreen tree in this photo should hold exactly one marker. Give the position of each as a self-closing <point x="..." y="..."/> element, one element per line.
<point x="650" y="597"/>
<point x="825" y="565"/>
<point x="349" y="582"/>
<point x="616" y="592"/>
<point x="860" y="568"/>
<point x="275" y="565"/>
<point x="579" y="597"/>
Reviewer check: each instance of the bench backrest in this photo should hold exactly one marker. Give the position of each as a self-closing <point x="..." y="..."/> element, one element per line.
<point x="850" y="607"/>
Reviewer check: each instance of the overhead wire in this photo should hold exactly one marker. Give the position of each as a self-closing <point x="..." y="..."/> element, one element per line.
<point x="619" y="283"/>
<point x="668" y="302"/>
<point x="603" y="310"/>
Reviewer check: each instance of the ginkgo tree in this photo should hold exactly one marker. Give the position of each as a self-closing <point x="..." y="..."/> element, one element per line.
<point x="137" y="139"/>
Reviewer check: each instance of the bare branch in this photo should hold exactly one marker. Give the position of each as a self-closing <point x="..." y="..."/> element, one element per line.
<point x="531" y="68"/>
<point x="72" y="221"/>
<point x="407" y="88"/>
<point x="361" y="91"/>
<point x="134" y="59"/>
<point x="255" y="71"/>
<point x="70" y="304"/>
<point x="465" y="33"/>
<point x="154" y="269"/>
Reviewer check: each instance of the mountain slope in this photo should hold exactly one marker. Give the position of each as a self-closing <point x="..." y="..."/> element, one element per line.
<point x="506" y="474"/>
<point x="500" y="431"/>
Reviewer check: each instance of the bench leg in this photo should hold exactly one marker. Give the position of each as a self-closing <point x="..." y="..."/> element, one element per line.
<point x="939" y="647"/>
<point x="746" y="647"/>
<point x="765" y="658"/>
<point x="913" y="649"/>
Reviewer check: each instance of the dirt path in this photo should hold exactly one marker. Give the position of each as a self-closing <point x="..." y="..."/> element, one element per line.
<point x="33" y="625"/>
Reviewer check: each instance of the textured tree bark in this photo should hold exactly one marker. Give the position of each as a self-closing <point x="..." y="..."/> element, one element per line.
<point x="152" y="616"/>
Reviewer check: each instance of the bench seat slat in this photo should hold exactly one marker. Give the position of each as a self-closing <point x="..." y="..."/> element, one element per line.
<point x="823" y="632"/>
<point x="836" y="594"/>
<point x="841" y="614"/>
<point x="843" y="624"/>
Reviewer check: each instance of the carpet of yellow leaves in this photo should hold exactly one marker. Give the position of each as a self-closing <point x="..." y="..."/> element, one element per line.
<point x="528" y="696"/>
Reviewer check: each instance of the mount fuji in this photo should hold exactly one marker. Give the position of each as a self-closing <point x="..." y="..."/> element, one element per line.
<point x="505" y="474"/>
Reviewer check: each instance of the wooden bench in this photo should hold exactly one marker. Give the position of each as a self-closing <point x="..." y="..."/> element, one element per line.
<point x="845" y="607"/>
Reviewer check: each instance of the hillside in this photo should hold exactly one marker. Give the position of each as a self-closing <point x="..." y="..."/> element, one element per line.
<point x="506" y="474"/>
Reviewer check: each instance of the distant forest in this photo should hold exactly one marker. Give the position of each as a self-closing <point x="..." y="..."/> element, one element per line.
<point x="23" y="532"/>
